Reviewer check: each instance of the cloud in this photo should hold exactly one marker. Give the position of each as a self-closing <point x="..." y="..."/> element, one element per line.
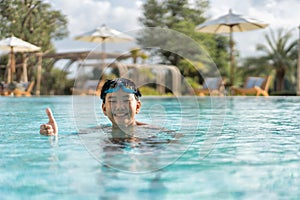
<point x="85" y="15"/>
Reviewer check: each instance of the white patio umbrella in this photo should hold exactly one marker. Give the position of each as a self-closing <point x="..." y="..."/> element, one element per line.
<point x="14" y="44"/>
<point x="230" y="23"/>
<point x="104" y="35"/>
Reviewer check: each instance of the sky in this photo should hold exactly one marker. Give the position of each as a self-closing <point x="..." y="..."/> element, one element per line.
<point x="86" y="15"/>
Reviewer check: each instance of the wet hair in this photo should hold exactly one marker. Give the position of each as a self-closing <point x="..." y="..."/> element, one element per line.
<point x="115" y="84"/>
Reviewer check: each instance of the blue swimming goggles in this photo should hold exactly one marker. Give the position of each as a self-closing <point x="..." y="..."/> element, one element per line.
<point x="124" y="88"/>
<point x="126" y="85"/>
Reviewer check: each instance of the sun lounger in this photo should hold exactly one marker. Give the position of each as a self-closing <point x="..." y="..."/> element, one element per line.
<point x="27" y="92"/>
<point x="212" y="86"/>
<point x="253" y="86"/>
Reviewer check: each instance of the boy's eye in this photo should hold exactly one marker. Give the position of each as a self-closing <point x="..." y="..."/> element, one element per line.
<point x="123" y="100"/>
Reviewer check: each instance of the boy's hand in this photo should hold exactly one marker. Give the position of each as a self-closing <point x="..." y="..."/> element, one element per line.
<point x="49" y="129"/>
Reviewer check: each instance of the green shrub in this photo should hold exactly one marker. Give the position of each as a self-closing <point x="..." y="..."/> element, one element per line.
<point x="147" y="91"/>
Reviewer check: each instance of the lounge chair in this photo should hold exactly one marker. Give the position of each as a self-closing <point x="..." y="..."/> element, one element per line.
<point x="27" y="92"/>
<point x="3" y="90"/>
<point x="212" y="86"/>
<point x="253" y="86"/>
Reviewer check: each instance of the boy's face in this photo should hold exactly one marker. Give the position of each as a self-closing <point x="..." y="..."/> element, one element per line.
<point x="120" y="107"/>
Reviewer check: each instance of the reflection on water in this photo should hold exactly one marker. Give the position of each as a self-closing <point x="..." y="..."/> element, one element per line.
<point x="145" y="149"/>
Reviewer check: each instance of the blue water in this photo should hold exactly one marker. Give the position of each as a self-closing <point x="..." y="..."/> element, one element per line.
<point x="233" y="148"/>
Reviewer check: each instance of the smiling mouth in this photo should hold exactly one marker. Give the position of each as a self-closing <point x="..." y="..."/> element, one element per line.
<point x="120" y="114"/>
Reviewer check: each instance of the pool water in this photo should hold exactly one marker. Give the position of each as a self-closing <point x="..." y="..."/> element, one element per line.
<point x="233" y="148"/>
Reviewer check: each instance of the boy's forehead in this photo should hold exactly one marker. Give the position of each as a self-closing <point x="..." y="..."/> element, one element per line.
<point x="119" y="93"/>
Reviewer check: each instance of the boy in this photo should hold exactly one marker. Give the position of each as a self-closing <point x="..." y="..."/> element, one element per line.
<point x="120" y="103"/>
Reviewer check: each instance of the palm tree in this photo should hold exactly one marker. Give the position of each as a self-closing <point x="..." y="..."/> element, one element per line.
<point x="279" y="52"/>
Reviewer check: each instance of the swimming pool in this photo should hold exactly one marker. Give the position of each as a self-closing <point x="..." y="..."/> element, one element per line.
<point x="256" y="154"/>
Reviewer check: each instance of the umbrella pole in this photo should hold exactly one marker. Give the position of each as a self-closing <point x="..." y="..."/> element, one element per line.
<point x="9" y="69"/>
<point x="231" y="58"/>
<point x="103" y="53"/>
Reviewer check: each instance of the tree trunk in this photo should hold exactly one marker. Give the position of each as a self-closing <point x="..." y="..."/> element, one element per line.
<point x="280" y="72"/>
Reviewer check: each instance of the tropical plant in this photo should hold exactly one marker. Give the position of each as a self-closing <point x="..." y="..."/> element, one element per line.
<point x="280" y="53"/>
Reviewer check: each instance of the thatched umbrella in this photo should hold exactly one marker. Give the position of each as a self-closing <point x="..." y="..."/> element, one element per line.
<point x="14" y="44"/>
<point x="230" y="23"/>
<point x="104" y="35"/>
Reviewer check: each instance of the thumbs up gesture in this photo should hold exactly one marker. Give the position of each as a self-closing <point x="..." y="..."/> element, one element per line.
<point x="49" y="129"/>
